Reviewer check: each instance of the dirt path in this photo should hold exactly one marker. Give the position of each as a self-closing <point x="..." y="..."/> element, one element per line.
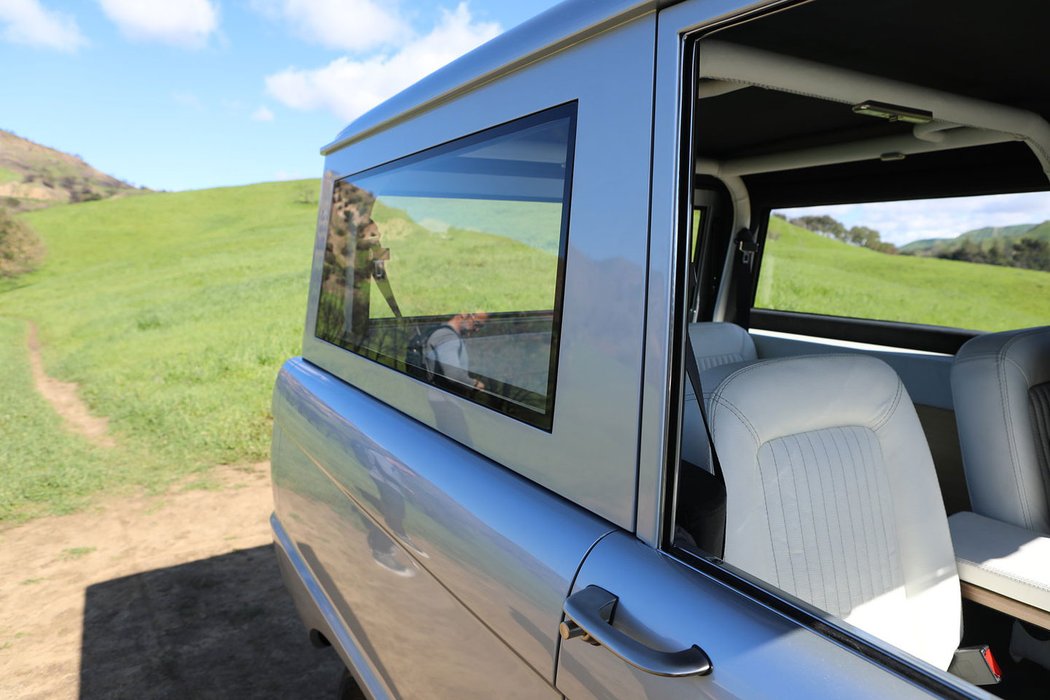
<point x="64" y="399"/>
<point x="176" y="595"/>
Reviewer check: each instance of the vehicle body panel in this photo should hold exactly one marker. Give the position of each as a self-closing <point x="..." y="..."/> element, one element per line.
<point x="590" y="456"/>
<point x="459" y="551"/>
<point x="754" y="651"/>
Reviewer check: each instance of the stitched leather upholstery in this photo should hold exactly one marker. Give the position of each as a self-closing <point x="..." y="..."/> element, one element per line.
<point x="832" y="496"/>
<point x="714" y="344"/>
<point x="1002" y="407"/>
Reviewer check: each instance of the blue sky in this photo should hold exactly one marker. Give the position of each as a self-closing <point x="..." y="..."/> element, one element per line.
<point x="186" y="94"/>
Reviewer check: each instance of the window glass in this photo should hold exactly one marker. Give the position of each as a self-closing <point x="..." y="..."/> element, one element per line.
<point x="447" y="265"/>
<point x="978" y="263"/>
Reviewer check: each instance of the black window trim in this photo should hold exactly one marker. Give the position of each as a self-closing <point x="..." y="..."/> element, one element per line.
<point x="545" y="420"/>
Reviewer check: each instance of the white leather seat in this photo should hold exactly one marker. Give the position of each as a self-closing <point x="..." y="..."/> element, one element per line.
<point x="832" y="496"/>
<point x="714" y="344"/>
<point x="1001" y="392"/>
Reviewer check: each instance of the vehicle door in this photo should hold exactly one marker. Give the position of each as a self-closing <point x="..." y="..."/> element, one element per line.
<point x="663" y="624"/>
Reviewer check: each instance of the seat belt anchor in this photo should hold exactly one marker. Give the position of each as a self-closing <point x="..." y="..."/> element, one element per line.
<point x="747" y="248"/>
<point x="976" y="664"/>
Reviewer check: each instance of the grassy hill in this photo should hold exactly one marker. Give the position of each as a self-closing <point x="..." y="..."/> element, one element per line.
<point x="804" y="271"/>
<point x="983" y="236"/>
<point x="173" y="312"/>
<point x="34" y="176"/>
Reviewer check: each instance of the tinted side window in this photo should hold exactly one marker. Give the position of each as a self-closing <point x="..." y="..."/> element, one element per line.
<point x="448" y="265"/>
<point x="978" y="263"/>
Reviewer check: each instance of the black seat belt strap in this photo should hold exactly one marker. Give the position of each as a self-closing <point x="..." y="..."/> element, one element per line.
<point x="693" y="371"/>
<point x="705" y="518"/>
<point x="383" y="282"/>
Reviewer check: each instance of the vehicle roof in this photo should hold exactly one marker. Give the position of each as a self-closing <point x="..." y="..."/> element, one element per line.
<point x="550" y="31"/>
<point x="965" y="48"/>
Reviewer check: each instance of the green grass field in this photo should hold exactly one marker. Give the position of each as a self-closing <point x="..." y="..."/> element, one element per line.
<point x="173" y="312"/>
<point x="43" y="468"/>
<point x="803" y="271"/>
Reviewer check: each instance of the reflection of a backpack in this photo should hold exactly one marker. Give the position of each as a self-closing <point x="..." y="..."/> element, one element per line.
<point x="415" y="353"/>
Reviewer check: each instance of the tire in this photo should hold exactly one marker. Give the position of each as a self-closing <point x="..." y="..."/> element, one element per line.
<point x="349" y="689"/>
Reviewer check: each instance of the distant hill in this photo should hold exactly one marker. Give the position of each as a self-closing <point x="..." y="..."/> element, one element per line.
<point x="34" y="176"/>
<point x="805" y="271"/>
<point x="984" y="237"/>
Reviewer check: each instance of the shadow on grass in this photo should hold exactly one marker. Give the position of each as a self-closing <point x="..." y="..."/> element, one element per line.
<point x="214" y="628"/>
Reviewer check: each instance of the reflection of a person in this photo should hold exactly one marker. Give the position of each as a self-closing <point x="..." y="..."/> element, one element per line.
<point x="384" y="470"/>
<point x="446" y="353"/>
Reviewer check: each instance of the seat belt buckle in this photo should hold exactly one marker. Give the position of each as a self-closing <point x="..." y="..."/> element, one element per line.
<point x="976" y="665"/>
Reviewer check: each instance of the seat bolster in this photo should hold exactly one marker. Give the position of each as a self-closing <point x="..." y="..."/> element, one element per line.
<point x="991" y="379"/>
<point x="717" y="343"/>
<point x="1002" y="558"/>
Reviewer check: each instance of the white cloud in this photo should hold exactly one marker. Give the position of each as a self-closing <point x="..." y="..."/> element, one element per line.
<point x="262" y="115"/>
<point x="350" y="87"/>
<point x="185" y="23"/>
<point x="345" y="25"/>
<point x="28" y="22"/>
<point x="904" y="222"/>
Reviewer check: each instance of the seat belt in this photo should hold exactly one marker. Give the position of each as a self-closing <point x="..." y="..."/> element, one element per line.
<point x="716" y="484"/>
<point x="746" y="247"/>
<point x="383" y="282"/>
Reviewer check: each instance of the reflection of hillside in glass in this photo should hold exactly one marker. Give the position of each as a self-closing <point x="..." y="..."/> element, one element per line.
<point x="443" y="272"/>
<point x="536" y="224"/>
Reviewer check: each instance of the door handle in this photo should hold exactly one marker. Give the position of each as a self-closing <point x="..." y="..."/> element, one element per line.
<point x="589" y="614"/>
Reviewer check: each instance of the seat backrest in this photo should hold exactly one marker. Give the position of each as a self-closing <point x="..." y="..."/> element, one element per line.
<point x="832" y="496"/>
<point x="714" y="344"/>
<point x="1001" y="392"/>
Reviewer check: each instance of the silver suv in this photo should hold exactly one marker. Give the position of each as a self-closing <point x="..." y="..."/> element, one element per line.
<point x="682" y="349"/>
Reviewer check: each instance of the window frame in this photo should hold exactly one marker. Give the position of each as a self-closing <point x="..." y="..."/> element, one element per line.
<point x="659" y="532"/>
<point x="504" y="406"/>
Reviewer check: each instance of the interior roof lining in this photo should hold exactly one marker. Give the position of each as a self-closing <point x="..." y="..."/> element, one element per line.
<point x="725" y="61"/>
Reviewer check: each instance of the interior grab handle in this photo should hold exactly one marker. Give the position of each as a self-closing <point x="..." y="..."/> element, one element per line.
<point x="589" y="613"/>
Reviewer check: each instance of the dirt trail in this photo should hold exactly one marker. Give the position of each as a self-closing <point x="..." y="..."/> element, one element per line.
<point x="172" y="595"/>
<point x="175" y="595"/>
<point x="64" y="399"/>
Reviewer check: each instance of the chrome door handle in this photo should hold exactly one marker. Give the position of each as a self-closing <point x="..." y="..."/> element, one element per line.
<point x="589" y="614"/>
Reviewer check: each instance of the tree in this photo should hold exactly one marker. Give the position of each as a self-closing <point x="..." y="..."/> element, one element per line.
<point x="1032" y="254"/>
<point x="864" y="236"/>
<point x="825" y="225"/>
